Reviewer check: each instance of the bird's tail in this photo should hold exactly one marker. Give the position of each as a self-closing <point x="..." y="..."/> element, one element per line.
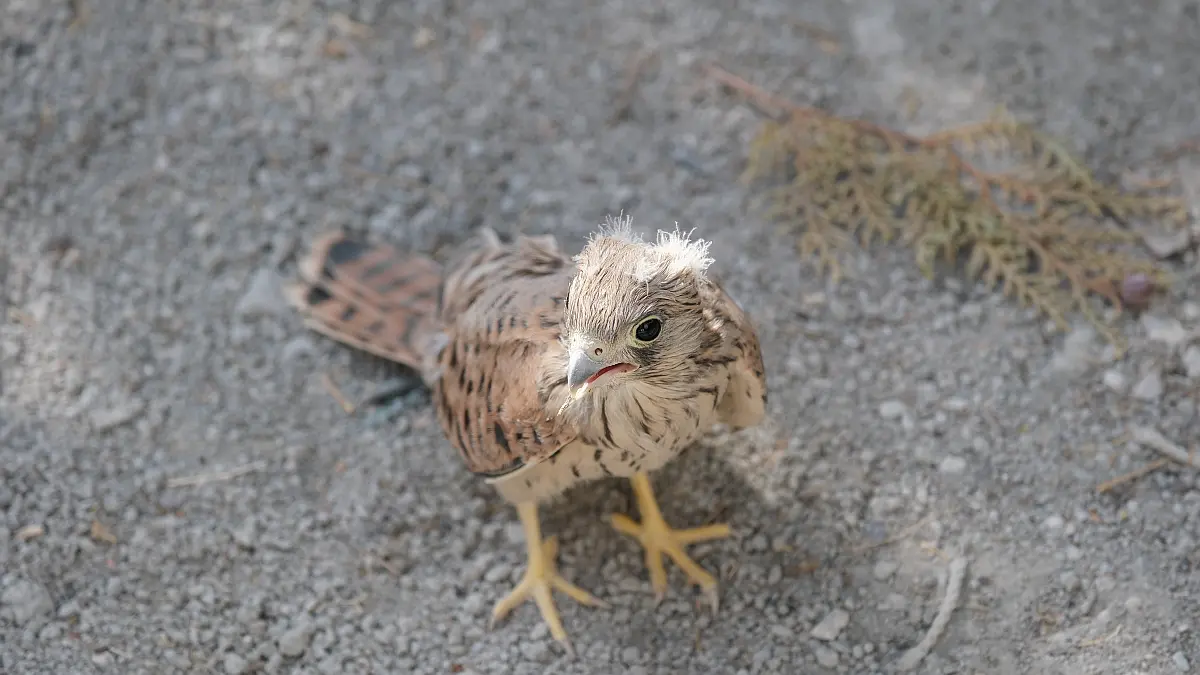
<point x="372" y="297"/>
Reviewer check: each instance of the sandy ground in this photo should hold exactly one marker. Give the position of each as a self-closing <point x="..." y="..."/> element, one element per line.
<point x="162" y="161"/>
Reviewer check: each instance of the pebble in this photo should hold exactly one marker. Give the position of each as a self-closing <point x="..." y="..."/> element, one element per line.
<point x="295" y="640"/>
<point x="25" y="601"/>
<point x="297" y="348"/>
<point x="826" y="657"/>
<point x="1167" y="330"/>
<point x="831" y="625"/>
<point x="884" y="570"/>
<point x="111" y="418"/>
<point x="953" y="465"/>
<point x="1054" y="522"/>
<point x="1191" y="361"/>
<point x="1149" y="388"/>
<point x="234" y="664"/>
<point x="1113" y="379"/>
<point x="1167" y="244"/>
<point x="263" y="297"/>
<point x="890" y="410"/>
<point x="1181" y="662"/>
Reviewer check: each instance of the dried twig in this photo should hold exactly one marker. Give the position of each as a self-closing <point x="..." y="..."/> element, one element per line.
<point x="337" y="394"/>
<point x="30" y="532"/>
<point x="216" y="476"/>
<point x="1103" y="638"/>
<point x="914" y="656"/>
<point x="1156" y="441"/>
<point x="1132" y="475"/>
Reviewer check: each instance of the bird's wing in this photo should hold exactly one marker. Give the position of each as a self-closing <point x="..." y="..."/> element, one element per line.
<point x="370" y="296"/>
<point x="745" y="400"/>
<point x="502" y="373"/>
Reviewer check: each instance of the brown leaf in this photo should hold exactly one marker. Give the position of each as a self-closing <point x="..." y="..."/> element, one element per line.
<point x="102" y="534"/>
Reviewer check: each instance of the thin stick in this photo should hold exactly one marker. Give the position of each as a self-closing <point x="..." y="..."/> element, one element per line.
<point x="1156" y="441"/>
<point x="216" y="476"/>
<point x="337" y="394"/>
<point x="914" y="656"/>
<point x="1132" y="475"/>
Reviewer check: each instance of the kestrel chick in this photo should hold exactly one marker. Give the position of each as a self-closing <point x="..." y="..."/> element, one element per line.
<point x="546" y="373"/>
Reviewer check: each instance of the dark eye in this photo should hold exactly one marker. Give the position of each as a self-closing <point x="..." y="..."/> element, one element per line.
<point x="648" y="330"/>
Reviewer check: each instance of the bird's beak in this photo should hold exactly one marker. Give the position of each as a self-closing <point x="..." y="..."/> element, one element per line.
<point x="580" y="368"/>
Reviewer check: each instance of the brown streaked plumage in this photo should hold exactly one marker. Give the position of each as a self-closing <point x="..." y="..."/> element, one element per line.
<point x="547" y="371"/>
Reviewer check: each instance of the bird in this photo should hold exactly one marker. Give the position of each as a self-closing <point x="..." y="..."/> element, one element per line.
<point x="548" y="370"/>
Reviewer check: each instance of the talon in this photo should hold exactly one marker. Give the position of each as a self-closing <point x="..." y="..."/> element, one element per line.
<point x="658" y="538"/>
<point x="540" y="580"/>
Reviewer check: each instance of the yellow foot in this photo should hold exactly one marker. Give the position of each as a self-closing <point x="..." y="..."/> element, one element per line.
<point x="658" y="538"/>
<point x="540" y="580"/>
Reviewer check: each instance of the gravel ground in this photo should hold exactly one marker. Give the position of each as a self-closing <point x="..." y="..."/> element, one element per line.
<point x="162" y="161"/>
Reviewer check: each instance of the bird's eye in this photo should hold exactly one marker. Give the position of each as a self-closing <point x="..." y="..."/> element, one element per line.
<point x="647" y="330"/>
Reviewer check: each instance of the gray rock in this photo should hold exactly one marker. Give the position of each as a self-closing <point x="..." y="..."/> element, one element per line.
<point x="234" y="664"/>
<point x="25" y="601"/>
<point x="111" y="418"/>
<point x="890" y="410"/>
<point x="826" y="656"/>
<point x="1149" y="388"/>
<point x="1167" y="244"/>
<point x="1181" y="662"/>
<point x="293" y="643"/>
<point x="1191" y="361"/>
<point x="1167" y="330"/>
<point x="953" y="465"/>
<point x="1113" y="379"/>
<point x="884" y="569"/>
<point x="829" y="627"/>
<point x="263" y="296"/>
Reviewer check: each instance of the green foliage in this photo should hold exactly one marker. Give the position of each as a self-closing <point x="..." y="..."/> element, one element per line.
<point x="1046" y="231"/>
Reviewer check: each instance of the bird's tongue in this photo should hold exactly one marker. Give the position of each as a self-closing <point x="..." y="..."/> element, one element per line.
<point x="615" y="368"/>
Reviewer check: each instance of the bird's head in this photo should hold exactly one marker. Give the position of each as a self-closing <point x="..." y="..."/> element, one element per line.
<point x="633" y="310"/>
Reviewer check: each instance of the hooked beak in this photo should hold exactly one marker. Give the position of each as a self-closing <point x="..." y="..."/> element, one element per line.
<point x="583" y="370"/>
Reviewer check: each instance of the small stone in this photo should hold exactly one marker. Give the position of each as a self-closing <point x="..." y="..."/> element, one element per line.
<point x="757" y="544"/>
<point x="111" y="418"/>
<point x="1105" y="584"/>
<point x="1149" y="388"/>
<point x="25" y="601"/>
<point x="1167" y="330"/>
<point x="1191" y="361"/>
<point x="890" y="410"/>
<point x="1113" y="379"/>
<point x="1054" y="522"/>
<point x="630" y="655"/>
<point x="884" y="570"/>
<point x="953" y="465"/>
<point x="234" y="664"/>
<point x="1181" y="662"/>
<point x="1167" y="244"/>
<point x="264" y="296"/>
<point x="295" y="640"/>
<point x="423" y="37"/>
<point x="534" y="650"/>
<point x="826" y="657"/>
<point x="831" y="625"/>
<point x="246" y="534"/>
<point x="1191" y="311"/>
<point x="955" y="404"/>
<point x="297" y="348"/>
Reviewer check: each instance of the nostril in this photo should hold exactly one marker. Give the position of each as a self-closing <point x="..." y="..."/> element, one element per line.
<point x="598" y="351"/>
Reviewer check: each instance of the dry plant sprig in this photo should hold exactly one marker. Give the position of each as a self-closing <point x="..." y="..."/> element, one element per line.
<point x="1048" y="232"/>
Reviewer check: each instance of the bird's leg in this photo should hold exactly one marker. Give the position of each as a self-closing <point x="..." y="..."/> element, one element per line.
<point x="541" y="578"/>
<point x="658" y="538"/>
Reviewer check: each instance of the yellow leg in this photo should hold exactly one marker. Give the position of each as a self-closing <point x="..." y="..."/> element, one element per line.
<point x="658" y="538"/>
<point x="540" y="579"/>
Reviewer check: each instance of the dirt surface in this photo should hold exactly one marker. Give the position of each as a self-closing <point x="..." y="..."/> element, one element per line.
<point x="162" y="161"/>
